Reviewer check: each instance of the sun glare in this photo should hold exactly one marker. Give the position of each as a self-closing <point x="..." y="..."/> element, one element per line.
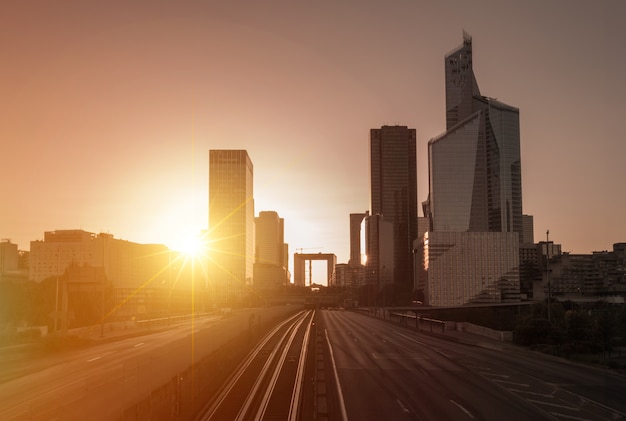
<point x="189" y="244"/>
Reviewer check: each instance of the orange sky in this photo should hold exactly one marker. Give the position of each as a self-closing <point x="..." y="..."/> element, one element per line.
<point x="109" y="110"/>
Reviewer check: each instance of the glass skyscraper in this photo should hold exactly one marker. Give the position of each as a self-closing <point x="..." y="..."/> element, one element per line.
<point x="475" y="179"/>
<point x="231" y="224"/>
<point x="471" y="252"/>
<point x="393" y="172"/>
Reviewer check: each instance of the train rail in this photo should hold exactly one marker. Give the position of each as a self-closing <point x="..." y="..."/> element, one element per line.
<point x="268" y="384"/>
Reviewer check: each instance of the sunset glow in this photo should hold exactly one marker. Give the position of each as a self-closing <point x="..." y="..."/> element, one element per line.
<point x="190" y="244"/>
<point x="106" y="100"/>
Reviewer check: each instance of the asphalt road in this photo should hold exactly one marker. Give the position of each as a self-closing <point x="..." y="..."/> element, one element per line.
<point x="390" y="372"/>
<point x="100" y="381"/>
<point x="385" y="371"/>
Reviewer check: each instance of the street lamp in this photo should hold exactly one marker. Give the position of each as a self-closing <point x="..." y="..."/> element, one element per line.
<point x="548" y="276"/>
<point x="56" y="297"/>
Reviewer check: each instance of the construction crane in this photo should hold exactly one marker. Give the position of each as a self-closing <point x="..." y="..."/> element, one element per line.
<point x="306" y="248"/>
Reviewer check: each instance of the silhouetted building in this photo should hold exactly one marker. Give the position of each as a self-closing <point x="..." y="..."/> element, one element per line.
<point x="354" y="274"/>
<point x="575" y="277"/>
<point x="231" y="224"/>
<point x="270" y="271"/>
<point x="143" y="278"/>
<point x="393" y="172"/>
<point x="529" y="270"/>
<point x="9" y="257"/>
<point x="356" y="248"/>
<point x="528" y="229"/>
<point x="379" y="267"/>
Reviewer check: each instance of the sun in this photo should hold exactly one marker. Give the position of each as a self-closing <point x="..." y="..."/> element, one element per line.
<point x="190" y="244"/>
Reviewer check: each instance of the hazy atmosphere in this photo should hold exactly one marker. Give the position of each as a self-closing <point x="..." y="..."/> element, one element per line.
<point x="109" y="109"/>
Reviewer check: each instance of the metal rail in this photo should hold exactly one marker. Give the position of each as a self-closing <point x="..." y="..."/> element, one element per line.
<point x="257" y="388"/>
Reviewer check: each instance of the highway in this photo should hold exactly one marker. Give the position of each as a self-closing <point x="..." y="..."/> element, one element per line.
<point x="387" y="371"/>
<point x="283" y="363"/>
<point x="161" y="375"/>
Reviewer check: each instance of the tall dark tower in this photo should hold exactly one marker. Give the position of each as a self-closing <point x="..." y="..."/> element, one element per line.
<point x="393" y="172"/>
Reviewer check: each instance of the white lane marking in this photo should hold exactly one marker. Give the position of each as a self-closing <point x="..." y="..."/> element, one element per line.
<point x="139" y="344"/>
<point x="513" y="383"/>
<point x="556" y="414"/>
<point x="556" y="405"/>
<point x="504" y="376"/>
<point x="469" y="414"/>
<point x="94" y="358"/>
<point x="404" y="408"/>
<point x="526" y="392"/>
<point x="342" y="405"/>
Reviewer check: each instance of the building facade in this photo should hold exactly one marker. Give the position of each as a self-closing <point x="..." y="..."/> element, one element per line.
<point x="126" y="264"/>
<point x="475" y="177"/>
<point x="9" y="257"/>
<point x="471" y="268"/>
<point x="381" y="257"/>
<point x="141" y="278"/>
<point x="472" y="252"/>
<point x="393" y="182"/>
<point x="356" y="246"/>
<point x="597" y="275"/>
<point x="270" y="267"/>
<point x="231" y="225"/>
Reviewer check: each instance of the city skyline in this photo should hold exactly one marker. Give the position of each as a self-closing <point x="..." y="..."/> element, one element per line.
<point x="113" y="109"/>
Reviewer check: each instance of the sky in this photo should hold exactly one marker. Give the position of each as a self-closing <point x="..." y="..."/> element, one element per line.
<point x="108" y="109"/>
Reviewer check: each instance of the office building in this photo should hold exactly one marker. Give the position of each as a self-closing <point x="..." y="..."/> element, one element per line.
<point x="231" y="225"/>
<point x="270" y="267"/>
<point x="528" y="228"/>
<point x="9" y="257"/>
<point x="393" y="172"/>
<point x="472" y="252"/>
<point x="471" y="268"/>
<point x="381" y="257"/>
<point x="356" y="246"/>
<point x="475" y="166"/>
<point x="141" y="278"/>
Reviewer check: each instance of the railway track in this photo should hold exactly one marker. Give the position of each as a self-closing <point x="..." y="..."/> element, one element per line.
<point x="268" y="384"/>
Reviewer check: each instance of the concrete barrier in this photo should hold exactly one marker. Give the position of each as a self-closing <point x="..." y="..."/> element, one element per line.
<point x="498" y="335"/>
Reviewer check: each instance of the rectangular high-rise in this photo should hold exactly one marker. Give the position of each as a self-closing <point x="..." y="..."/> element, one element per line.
<point x="393" y="172"/>
<point x="231" y="224"/>
<point x="270" y="267"/>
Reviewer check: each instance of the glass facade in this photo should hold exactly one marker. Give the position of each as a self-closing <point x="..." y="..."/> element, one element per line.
<point x="471" y="253"/>
<point x="231" y="223"/>
<point x="475" y="175"/>
<point x="393" y="172"/>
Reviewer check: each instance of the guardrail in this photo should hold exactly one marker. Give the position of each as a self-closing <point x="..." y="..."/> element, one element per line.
<point x="420" y="323"/>
<point x="162" y="321"/>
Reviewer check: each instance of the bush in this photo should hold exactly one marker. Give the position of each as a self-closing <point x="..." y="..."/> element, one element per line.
<point x="538" y="331"/>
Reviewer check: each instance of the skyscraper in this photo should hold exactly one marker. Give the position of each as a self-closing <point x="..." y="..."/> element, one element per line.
<point x="393" y="172"/>
<point x="475" y="175"/>
<point x="356" y="248"/>
<point x="231" y="224"/>
<point x="270" y="267"/>
<point x="471" y="253"/>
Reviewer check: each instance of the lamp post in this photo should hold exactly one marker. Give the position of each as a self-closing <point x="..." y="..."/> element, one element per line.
<point x="103" y="274"/>
<point x="56" y="297"/>
<point x="548" y="276"/>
